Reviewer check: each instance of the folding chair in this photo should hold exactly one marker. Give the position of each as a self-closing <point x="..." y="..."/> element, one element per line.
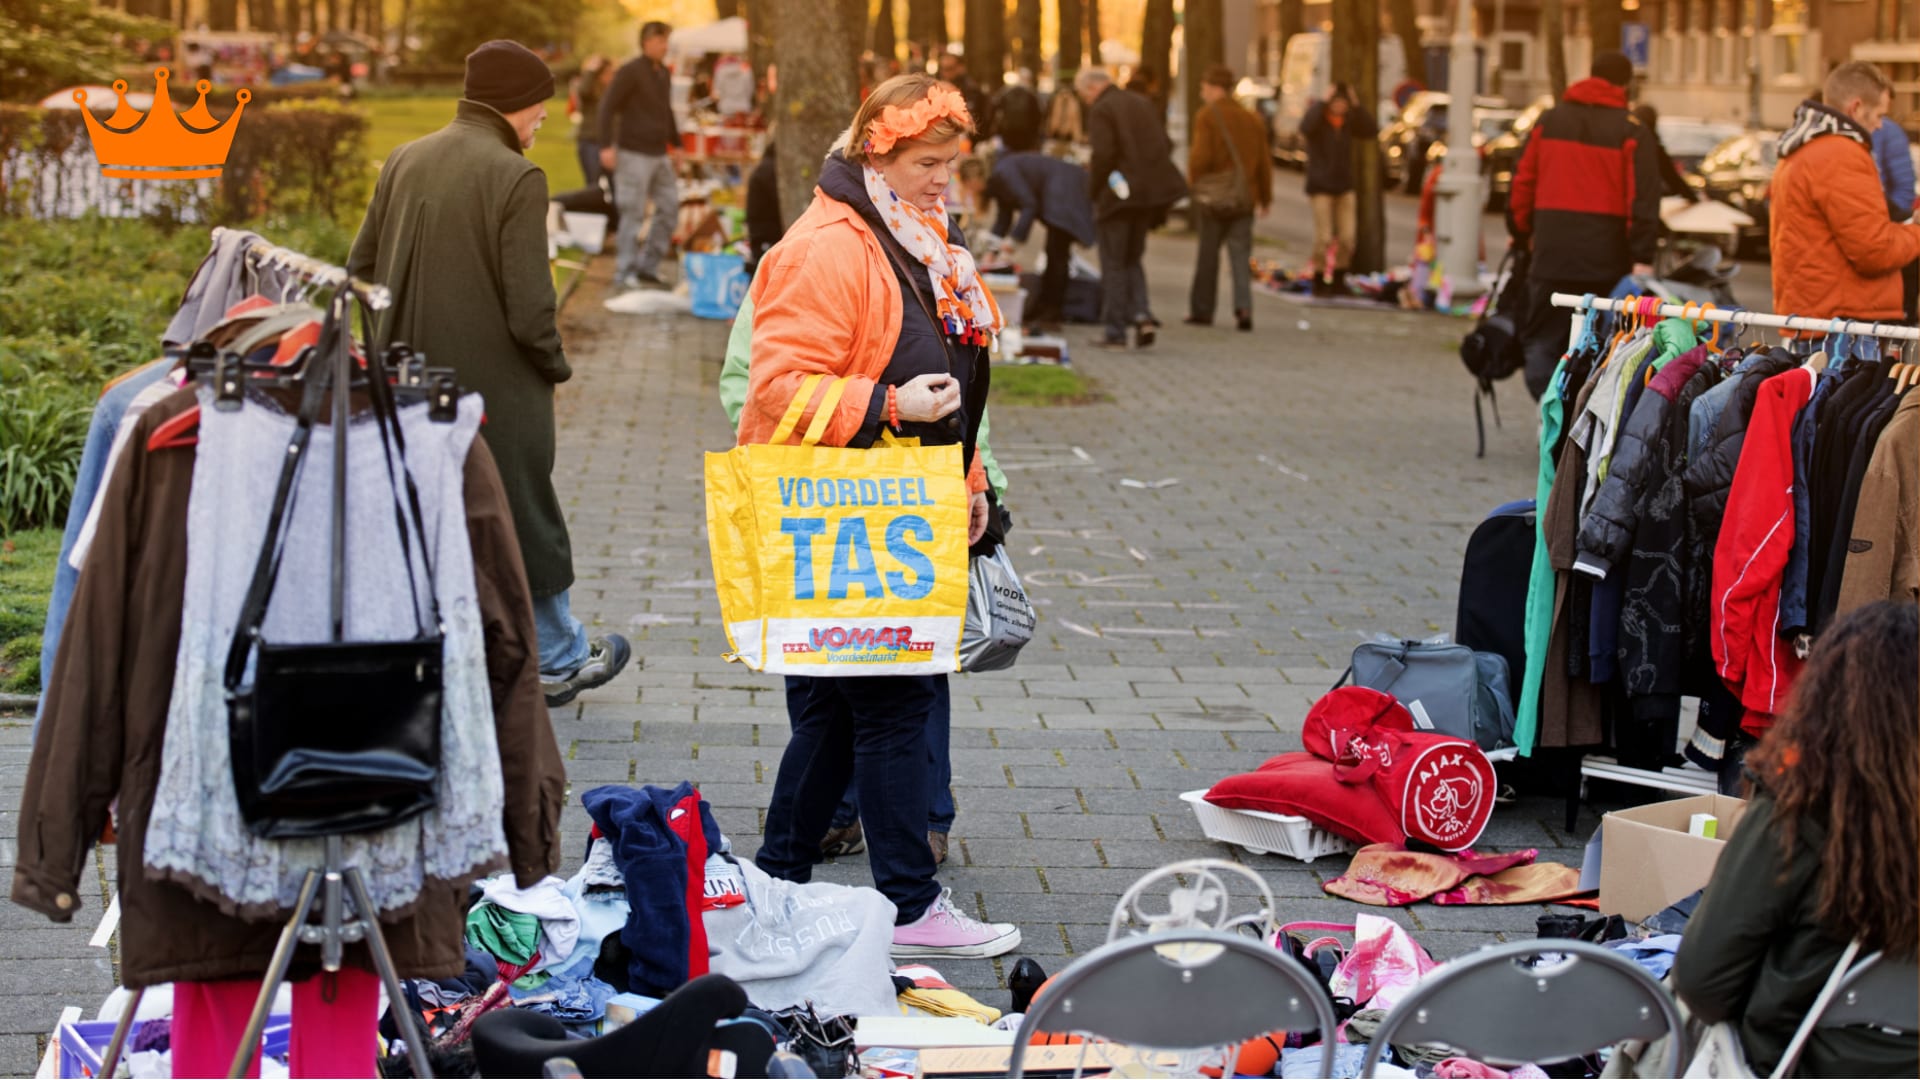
<point x="1180" y="990"/>
<point x="1533" y="1001"/>
<point x="1876" y="992"/>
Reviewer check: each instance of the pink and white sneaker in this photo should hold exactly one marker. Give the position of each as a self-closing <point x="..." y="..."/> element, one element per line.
<point x="947" y="931"/>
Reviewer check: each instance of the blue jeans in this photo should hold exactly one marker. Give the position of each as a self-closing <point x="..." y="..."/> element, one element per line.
<point x="87" y="482"/>
<point x="870" y="730"/>
<point x="563" y="641"/>
<point x="939" y="767"/>
<point x="589" y="153"/>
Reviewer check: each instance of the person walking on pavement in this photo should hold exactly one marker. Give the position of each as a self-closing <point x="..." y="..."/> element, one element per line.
<point x="1133" y="182"/>
<point x="1330" y="129"/>
<point x="1227" y="139"/>
<point x="1892" y="152"/>
<point x="457" y="229"/>
<point x="1031" y="187"/>
<point x="1586" y="204"/>
<point x="638" y="139"/>
<point x="850" y="293"/>
<point x="1836" y="250"/>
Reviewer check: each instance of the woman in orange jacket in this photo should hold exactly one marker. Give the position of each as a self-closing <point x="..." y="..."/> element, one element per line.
<point x="873" y="288"/>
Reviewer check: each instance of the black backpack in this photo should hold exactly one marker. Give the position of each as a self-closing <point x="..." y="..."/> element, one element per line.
<point x="1492" y="616"/>
<point x="1492" y="350"/>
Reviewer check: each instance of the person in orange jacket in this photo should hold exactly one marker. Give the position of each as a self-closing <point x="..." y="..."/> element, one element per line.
<point x="1836" y="250"/>
<point x="874" y="288"/>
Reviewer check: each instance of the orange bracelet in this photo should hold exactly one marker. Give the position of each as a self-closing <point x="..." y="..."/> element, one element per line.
<point x="893" y="408"/>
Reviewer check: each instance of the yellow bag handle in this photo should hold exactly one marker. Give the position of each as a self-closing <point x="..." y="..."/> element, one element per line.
<point x="824" y="414"/>
<point x="794" y="409"/>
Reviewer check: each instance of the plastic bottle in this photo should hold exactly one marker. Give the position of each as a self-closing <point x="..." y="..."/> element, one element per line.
<point x="1119" y="185"/>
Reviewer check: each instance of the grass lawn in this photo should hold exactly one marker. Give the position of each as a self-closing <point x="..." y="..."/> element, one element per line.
<point x="1041" y="384"/>
<point x="26" y="579"/>
<point x="403" y="119"/>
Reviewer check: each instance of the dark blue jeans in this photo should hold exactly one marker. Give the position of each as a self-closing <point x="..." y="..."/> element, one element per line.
<point x="939" y="766"/>
<point x="870" y="730"/>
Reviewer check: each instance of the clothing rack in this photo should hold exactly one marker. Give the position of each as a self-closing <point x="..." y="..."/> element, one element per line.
<point x="312" y="270"/>
<point x="1689" y="779"/>
<point x="1737" y="317"/>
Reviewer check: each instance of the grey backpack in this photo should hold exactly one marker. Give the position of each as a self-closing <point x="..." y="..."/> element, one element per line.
<point x="1449" y="689"/>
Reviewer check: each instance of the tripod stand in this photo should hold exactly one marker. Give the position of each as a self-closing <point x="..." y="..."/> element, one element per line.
<point x="331" y="889"/>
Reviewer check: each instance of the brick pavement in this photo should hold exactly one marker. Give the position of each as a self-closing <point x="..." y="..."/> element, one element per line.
<point x="1326" y="486"/>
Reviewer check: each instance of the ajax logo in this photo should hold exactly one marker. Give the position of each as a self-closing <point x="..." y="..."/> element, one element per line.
<point x="162" y="145"/>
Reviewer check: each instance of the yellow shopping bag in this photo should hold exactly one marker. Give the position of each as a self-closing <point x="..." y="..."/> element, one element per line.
<point x="830" y="561"/>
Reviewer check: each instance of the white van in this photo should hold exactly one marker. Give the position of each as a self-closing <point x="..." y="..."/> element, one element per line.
<point x="1305" y="76"/>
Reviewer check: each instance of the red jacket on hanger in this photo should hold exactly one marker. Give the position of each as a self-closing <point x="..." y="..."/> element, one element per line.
<point x="1751" y="556"/>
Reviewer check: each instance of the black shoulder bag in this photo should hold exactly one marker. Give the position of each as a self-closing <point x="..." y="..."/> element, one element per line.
<point x="337" y="737"/>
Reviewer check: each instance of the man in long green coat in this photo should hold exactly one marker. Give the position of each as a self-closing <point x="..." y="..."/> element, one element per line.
<point x="457" y="230"/>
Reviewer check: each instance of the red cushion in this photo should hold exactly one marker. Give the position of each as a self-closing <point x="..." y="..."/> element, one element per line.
<point x="1303" y="785"/>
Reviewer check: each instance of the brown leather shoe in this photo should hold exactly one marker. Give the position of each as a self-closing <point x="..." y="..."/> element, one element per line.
<point x="851" y="840"/>
<point x="938" y="842"/>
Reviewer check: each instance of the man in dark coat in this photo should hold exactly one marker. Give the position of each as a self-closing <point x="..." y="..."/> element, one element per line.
<point x="1585" y="202"/>
<point x="1033" y="187"/>
<point x="638" y="140"/>
<point x="457" y="229"/>
<point x="1133" y="182"/>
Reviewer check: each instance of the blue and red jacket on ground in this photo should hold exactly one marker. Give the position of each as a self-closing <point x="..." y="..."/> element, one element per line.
<point x="1587" y="191"/>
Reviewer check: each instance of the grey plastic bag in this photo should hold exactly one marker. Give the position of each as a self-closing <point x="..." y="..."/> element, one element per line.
<point x="1450" y="689"/>
<point x="1000" y="618"/>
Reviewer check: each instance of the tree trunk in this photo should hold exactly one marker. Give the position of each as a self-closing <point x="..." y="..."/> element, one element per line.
<point x="1553" y="21"/>
<point x="1026" y="26"/>
<point x="1205" y="47"/>
<point x="1406" y="26"/>
<point x="1092" y="18"/>
<point x="1293" y="20"/>
<point x="1603" y="25"/>
<point x="760" y="22"/>
<point x="819" y="87"/>
<point x="974" y="37"/>
<point x="1072" y="44"/>
<point x="1156" y="43"/>
<point x="884" y="42"/>
<point x="726" y="9"/>
<point x="1356" y="61"/>
<point x="927" y="24"/>
<point x="262" y="16"/>
<point x="223" y="15"/>
<point x="290" y="19"/>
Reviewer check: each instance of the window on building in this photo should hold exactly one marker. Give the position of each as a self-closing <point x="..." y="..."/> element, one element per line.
<point x="1513" y="54"/>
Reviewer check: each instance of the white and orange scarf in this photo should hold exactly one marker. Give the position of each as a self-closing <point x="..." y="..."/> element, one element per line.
<point x="964" y="306"/>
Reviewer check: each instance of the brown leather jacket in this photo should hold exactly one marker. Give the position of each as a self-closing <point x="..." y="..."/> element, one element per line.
<point x="106" y="710"/>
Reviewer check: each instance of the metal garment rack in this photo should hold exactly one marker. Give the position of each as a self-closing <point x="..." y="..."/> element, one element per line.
<point x="1691" y="780"/>
<point x="333" y="909"/>
<point x="312" y="270"/>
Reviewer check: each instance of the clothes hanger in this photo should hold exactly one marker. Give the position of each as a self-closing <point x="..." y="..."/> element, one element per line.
<point x="1713" y="331"/>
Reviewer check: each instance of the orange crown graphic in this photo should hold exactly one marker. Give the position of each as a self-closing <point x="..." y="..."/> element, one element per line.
<point x="161" y="145"/>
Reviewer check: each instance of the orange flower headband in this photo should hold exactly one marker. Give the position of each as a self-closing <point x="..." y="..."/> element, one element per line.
<point x="896" y="125"/>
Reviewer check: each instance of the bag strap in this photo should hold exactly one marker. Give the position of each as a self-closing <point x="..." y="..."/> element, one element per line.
<point x="795" y="409"/>
<point x="1239" y="168"/>
<point x="1827" y="994"/>
<point x="824" y="414"/>
<point x="386" y="412"/>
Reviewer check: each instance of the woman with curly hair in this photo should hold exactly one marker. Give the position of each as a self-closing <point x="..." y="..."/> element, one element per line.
<point x="1827" y="852"/>
<point x="874" y="289"/>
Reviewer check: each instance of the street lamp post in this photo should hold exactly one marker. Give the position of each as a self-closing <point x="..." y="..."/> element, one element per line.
<point x="1457" y="193"/>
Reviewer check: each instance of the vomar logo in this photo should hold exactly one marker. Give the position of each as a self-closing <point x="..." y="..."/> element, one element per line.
<point x="162" y="145"/>
<point x="856" y="643"/>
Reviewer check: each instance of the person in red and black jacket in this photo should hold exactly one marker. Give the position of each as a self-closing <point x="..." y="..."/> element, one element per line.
<point x="1585" y="202"/>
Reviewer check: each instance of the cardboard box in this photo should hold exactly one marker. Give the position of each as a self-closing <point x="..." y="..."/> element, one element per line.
<point x="1647" y="860"/>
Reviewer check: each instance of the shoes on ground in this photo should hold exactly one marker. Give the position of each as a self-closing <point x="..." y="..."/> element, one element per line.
<point x="1144" y="331"/>
<point x="1243" y="320"/>
<point x="850" y="840"/>
<point x="1195" y="320"/>
<point x="946" y="931"/>
<point x="1109" y="344"/>
<point x="649" y="280"/>
<point x="606" y="657"/>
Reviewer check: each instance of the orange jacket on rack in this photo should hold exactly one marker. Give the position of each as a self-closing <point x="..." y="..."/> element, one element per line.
<point x="1835" y="251"/>
<point x="825" y="301"/>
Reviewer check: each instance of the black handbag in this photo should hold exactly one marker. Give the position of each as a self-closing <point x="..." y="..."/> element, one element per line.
<point x="337" y="737"/>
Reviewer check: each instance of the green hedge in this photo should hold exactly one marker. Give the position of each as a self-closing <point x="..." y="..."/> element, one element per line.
<point x="300" y="155"/>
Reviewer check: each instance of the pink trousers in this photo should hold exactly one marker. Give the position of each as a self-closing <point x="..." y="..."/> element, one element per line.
<point x="335" y="1025"/>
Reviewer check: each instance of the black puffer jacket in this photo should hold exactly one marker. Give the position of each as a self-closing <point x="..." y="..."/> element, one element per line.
<point x="1655" y="636"/>
<point x="1607" y="534"/>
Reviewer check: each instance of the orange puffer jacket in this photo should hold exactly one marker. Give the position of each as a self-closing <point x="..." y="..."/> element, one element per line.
<point x="825" y="302"/>
<point x="1835" y="250"/>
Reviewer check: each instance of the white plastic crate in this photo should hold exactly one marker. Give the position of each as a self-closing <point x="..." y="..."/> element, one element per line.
<point x="1265" y="834"/>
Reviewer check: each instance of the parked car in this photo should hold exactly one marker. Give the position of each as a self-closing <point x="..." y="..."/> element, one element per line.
<point x="1501" y="155"/>
<point x="1688" y="139"/>
<point x="1306" y="77"/>
<point x="1488" y="125"/>
<point x="1404" y="143"/>
<point x="1739" y="172"/>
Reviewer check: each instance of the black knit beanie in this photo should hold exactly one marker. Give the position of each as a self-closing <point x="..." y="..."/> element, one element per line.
<point x="507" y="76"/>
<point x="1614" y="67"/>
